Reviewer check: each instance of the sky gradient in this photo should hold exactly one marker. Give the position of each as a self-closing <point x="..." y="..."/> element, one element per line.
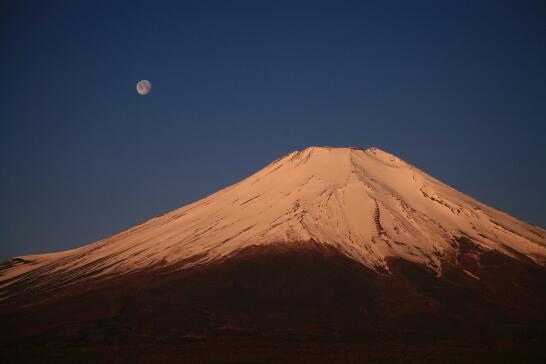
<point x="456" y="88"/>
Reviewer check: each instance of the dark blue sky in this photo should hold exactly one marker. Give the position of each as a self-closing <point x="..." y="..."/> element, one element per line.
<point x="457" y="88"/>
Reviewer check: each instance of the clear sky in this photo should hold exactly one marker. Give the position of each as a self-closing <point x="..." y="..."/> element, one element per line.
<point x="457" y="88"/>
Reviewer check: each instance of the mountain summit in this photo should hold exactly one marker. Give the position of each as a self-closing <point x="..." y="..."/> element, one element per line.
<point x="323" y="243"/>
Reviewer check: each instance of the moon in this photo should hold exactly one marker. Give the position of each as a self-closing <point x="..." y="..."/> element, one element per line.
<point x="143" y="87"/>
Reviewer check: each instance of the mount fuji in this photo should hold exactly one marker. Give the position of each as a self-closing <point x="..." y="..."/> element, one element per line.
<point x="321" y="244"/>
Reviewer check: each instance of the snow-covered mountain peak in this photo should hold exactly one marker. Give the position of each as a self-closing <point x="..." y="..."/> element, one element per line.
<point x="385" y="157"/>
<point x="367" y="203"/>
<point x="325" y="156"/>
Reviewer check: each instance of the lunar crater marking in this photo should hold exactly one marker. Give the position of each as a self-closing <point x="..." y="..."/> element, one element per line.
<point x="143" y="87"/>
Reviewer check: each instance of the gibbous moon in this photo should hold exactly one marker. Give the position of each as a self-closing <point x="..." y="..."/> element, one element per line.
<point x="143" y="87"/>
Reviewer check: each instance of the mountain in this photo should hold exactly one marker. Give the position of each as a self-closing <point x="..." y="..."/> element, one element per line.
<point x="321" y="244"/>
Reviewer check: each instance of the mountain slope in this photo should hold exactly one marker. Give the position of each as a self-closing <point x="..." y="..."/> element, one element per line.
<point x="349" y="248"/>
<point x="367" y="204"/>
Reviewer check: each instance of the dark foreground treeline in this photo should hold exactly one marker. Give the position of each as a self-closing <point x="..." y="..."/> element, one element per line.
<point x="246" y="350"/>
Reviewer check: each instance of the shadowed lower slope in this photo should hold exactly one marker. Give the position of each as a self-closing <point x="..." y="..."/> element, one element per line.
<point x="308" y="291"/>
